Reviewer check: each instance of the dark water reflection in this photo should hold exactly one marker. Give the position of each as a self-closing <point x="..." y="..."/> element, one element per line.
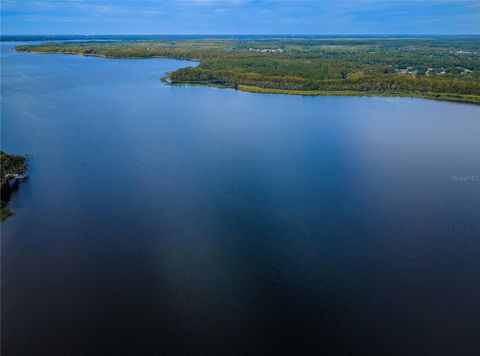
<point x="190" y="220"/>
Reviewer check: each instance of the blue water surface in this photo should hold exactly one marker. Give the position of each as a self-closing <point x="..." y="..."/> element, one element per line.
<point x="164" y="220"/>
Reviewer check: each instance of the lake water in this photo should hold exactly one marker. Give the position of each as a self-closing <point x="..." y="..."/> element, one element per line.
<point x="193" y="220"/>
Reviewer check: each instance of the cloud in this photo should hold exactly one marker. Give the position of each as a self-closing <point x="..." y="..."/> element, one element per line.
<point x="241" y="16"/>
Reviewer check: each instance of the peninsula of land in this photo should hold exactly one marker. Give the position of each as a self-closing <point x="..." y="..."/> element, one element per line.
<point x="444" y="68"/>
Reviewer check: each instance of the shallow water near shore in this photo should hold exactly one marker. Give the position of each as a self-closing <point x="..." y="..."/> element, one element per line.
<point x="192" y="220"/>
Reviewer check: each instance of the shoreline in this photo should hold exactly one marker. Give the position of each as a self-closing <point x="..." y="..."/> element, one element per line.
<point x="471" y="99"/>
<point x="12" y="174"/>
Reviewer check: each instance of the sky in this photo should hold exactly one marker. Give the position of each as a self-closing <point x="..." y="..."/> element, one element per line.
<point x="239" y="17"/>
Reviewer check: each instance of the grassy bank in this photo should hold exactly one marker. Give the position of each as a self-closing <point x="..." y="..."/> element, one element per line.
<point x="474" y="99"/>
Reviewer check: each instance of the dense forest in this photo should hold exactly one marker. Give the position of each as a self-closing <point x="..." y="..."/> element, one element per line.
<point x="11" y="166"/>
<point x="436" y="67"/>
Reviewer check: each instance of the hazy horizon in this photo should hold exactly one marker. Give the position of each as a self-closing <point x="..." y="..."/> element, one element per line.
<point x="244" y="34"/>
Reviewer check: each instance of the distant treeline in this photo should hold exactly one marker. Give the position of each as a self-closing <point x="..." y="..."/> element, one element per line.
<point x="411" y="66"/>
